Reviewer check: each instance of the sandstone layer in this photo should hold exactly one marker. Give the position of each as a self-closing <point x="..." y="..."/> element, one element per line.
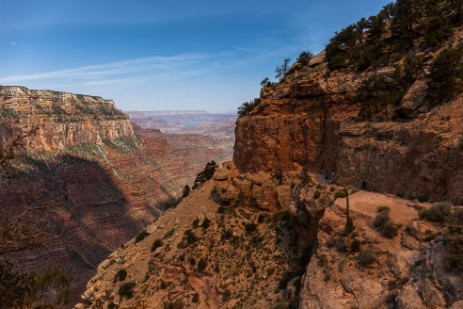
<point x="310" y="119"/>
<point x="63" y="119"/>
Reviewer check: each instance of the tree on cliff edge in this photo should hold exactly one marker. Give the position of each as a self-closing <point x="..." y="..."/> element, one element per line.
<point x="206" y="174"/>
<point x="281" y="70"/>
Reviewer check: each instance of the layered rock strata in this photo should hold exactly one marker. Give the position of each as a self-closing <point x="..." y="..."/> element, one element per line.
<point x="63" y="119"/>
<point x="85" y="179"/>
<point x="311" y="120"/>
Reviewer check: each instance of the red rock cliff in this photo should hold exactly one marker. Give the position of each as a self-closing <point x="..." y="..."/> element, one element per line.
<point x="63" y="119"/>
<point x="89" y="181"/>
<point x="310" y="119"/>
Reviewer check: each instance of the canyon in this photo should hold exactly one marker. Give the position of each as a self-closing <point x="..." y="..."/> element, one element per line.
<point x="270" y="231"/>
<point x="310" y="120"/>
<point x="87" y="179"/>
<point x="345" y="189"/>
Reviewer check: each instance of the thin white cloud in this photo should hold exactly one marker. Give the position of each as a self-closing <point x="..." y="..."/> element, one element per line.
<point x="128" y="67"/>
<point x="152" y="77"/>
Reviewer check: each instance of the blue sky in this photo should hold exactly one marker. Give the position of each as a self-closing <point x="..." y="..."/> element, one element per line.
<point x="160" y="55"/>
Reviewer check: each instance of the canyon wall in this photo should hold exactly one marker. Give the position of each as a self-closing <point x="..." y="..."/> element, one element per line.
<point x="86" y="180"/>
<point x="63" y="119"/>
<point x="311" y="119"/>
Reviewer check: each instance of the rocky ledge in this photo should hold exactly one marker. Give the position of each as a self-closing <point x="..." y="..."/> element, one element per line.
<point x="311" y="119"/>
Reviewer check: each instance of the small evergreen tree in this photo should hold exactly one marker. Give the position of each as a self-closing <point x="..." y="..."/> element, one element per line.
<point x="305" y="57"/>
<point x="265" y="82"/>
<point x="446" y="75"/>
<point x="282" y="70"/>
<point x="248" y="107"/>
<point x="406" y="13"/>
<point x="186" y="191"/>
<point x="206" y="174"/>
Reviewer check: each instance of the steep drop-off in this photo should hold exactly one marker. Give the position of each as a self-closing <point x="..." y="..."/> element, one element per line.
<point x="364" y="111"/>
<point x="85" y="180"/>
<point x="311" y="119"/>
<point x="63" y="119"/>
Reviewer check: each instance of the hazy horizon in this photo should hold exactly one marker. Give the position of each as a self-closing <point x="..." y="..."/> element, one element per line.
<point x="173" y="56"/>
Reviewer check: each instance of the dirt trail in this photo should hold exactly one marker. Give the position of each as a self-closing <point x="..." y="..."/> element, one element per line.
<point x="366" y="203"/>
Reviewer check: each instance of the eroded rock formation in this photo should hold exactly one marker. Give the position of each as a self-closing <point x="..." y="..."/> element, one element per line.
<point x="311" y="120"/>
<point x="90" y="182"/>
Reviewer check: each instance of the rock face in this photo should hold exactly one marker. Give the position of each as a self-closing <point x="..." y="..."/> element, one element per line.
<point x="366" y="123"/>
<point x="257" y="251"/>
<point x="187" y="263"/>
<point x="247" y="254"/>
<point x="310" y="120"/>
<point x="368" y="270"/>
<point x="63" y="119"/>
<point x="87" y="181"/>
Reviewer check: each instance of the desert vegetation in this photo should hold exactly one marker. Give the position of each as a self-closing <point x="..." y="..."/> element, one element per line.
<point x="206" y="174"/>
<point x="248" y="107"/>
<point x="24" y="289"/>
<point x="368" y="42"/>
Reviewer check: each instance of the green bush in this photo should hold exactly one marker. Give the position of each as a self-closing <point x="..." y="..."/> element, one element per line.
<point x="389" y="230"/>
<point x="383" y="222"/>
<point x="195" y="223"/>
<point x="305" y="57"/>
<point x="190" y="237"/>
<point x="436" y="213"/>
<point x="340" y="194"/>
<point x="355" y="245"/>
<point x="171" y="202"/>
<point x="142" y="235"/>
<point x="250" y="227"/>
<point x="381" y="218"/>
<point x="266" y="82"/>
<point x="156" y="244"/>
<point x="206" y="223"/>
<point x="366" y="257"/>
<point x="380" y="209"/>
<point x="248" y="107"/>
<point x="120" y="275"/>
<point x="206" y="174"/>
<point x="126" y="289"/>
<point x="186" y="191"/>
<point x="202" y="264"/>
<point x="438" y="30"/>
<point x="445" y="75"/>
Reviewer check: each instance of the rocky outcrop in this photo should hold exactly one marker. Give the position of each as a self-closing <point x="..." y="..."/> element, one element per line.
<point x="261" y="190"/>
<point x="185" y="262"/>
<point x="367" y="270"/>
<point x="311" y="120"/>
<point x="63" y="119"/>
